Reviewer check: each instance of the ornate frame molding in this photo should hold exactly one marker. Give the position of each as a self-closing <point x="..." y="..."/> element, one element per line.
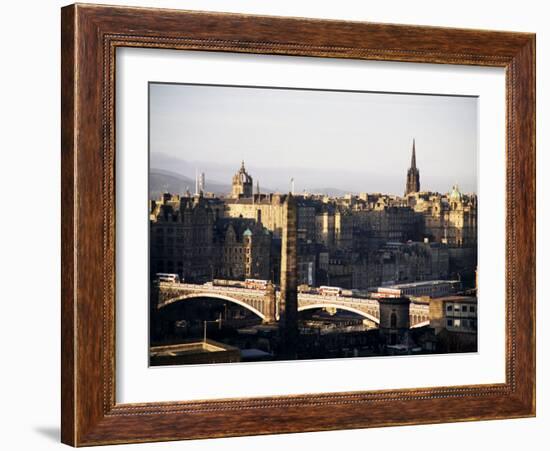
<point x="90" y="36"/>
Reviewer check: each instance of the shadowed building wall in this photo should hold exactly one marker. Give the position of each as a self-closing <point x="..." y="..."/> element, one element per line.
<point x="288" y="308"/>
<point x="394" y="320"/>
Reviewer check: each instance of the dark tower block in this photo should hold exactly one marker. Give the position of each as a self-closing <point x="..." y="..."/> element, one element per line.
<point x="394" y="320"/>
<point x="413" y="175"/>
<point x="288" y="307"/>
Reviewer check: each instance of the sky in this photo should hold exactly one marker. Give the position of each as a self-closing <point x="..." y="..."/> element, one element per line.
<point x="352" y="141"/>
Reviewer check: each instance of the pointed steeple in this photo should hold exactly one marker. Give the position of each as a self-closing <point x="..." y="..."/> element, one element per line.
<point x="413" y="174"/>
<point x="413" y="157"/>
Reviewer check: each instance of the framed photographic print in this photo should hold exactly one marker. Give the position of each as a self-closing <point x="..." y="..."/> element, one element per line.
<point x="278" y="225"/>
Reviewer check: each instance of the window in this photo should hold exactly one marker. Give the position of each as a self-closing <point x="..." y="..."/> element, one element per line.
<point x="456" y="323"/>
<point x="393" y="320"/>
<point x="449" y="308"/>
<point x="464" y="308"/>
<point x="449" y="323"/>
<point x="472" y="309"/>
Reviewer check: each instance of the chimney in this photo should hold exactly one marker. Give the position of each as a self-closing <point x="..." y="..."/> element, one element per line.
<point x="259" y="216"/>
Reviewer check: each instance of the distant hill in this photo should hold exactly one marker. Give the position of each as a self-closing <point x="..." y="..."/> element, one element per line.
<point x="161" y="181"/>
<point x="167" y="174"/>
<point x="335" y="192"/>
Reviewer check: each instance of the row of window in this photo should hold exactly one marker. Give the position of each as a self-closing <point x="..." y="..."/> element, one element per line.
<point x="170" y="231"/>
<point x="182" y="239"/>
<point x="464" y="323"/>
<point x="461" y="308"/>
<point x="185" y="252"/>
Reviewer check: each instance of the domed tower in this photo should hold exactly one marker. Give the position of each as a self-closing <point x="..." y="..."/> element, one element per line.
<point x="242" y="183"/>
<point x="455" y="198"/>
<point x="457" y="218"/>
<point x="413" y="175"/>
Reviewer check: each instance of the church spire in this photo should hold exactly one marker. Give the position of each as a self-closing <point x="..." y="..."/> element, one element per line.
<point x="413" y="174"/>
<point x="413" y="157"/>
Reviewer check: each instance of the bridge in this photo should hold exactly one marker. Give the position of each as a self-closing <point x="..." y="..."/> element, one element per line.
<point x="260" y="302"/>
<point x="264" y="303"/>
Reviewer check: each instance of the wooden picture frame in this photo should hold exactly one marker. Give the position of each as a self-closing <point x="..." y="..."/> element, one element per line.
<point x="90" y="36"/>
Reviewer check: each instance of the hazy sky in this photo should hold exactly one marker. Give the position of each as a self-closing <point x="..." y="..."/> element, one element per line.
<point x="346" y="140"/>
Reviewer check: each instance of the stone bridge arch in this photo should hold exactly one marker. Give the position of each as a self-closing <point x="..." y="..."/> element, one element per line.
<point x="348" y="308"/>
<point x="186" y="297"/>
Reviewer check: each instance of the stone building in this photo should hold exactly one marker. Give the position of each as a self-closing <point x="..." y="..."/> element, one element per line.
<point x="189" y="238"/>
<point x="181" y="237"/>
<point x="454" y="321"/>
<point x="385" y="223"/>
<point x="306" y="208"/>
<point x="307" y="262"/>
<point x="241" y="185"/>
<point x="334" y="227"/>
<point x="461" y="220"/>
<point x="449" y="218"/>
<point x="454" y="314"/>
<point x="270" y="207"/>
<point x="401" y="263"/>
<point x="245" y="247"/>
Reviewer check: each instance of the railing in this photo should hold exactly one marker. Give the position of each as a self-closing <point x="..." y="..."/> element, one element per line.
<point x="317" y="298"/>
<point x="211" y="288"/>
<point x="344" y="300"/>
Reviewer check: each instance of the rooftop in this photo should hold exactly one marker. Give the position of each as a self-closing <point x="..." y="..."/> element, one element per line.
<point x="421" y="283"/>
<point x="196" y="347"/>
<point x="463" y="299"/>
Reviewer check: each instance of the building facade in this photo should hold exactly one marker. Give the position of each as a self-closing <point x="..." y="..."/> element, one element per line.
<point x="189" y="238"/>
<point x="182" y="237"/>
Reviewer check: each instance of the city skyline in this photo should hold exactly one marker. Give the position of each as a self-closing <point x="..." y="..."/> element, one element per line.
<point x="281" y="134"/>
<point x="258" y="253"/>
